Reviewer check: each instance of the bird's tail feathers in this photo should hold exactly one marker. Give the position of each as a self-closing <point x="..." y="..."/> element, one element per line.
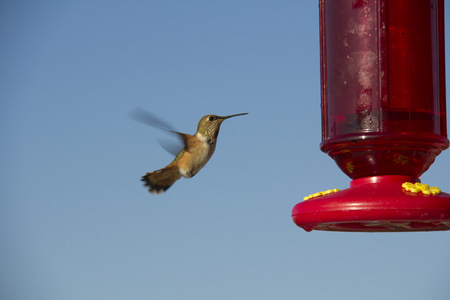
<point x="159" y="181"/>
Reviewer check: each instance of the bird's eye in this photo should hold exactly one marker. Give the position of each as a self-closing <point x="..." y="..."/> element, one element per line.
<point x="211" y="118"/>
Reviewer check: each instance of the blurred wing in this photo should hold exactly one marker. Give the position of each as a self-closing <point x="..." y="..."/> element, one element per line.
<point x="140" y="115"/>
<point x="171" y="146"/>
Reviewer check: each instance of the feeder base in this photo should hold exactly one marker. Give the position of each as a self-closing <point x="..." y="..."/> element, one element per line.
<point x="375" y="204"/>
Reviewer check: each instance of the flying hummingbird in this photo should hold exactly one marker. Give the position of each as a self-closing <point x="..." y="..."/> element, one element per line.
<point x="197" y="150"/>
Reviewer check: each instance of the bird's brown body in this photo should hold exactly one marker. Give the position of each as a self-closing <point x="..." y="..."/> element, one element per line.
<point x="197" y="151"/>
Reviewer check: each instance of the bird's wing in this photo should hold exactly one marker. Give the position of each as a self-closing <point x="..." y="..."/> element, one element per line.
<point x="143" y="116"/>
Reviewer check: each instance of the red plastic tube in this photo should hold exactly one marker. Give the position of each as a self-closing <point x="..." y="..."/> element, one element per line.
<point x="383" y="85"/>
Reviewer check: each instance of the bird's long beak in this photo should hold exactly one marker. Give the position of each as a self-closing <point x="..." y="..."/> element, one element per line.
<point x="230" y="116"/>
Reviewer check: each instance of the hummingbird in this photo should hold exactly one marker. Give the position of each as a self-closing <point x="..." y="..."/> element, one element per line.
<point x="196" y="152"/>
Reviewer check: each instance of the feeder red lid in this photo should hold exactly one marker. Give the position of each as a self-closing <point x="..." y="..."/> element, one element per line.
<point x="375" y="204"/>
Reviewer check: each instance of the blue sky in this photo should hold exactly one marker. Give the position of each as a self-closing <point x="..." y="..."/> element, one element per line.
<point x="75" y="222"/>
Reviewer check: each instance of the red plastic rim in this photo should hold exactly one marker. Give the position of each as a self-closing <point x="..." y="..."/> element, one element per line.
<point x="375" y="204"/>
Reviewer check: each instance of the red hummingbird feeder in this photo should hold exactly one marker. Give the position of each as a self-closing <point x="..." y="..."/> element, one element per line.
<point x="383" y="116"/>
